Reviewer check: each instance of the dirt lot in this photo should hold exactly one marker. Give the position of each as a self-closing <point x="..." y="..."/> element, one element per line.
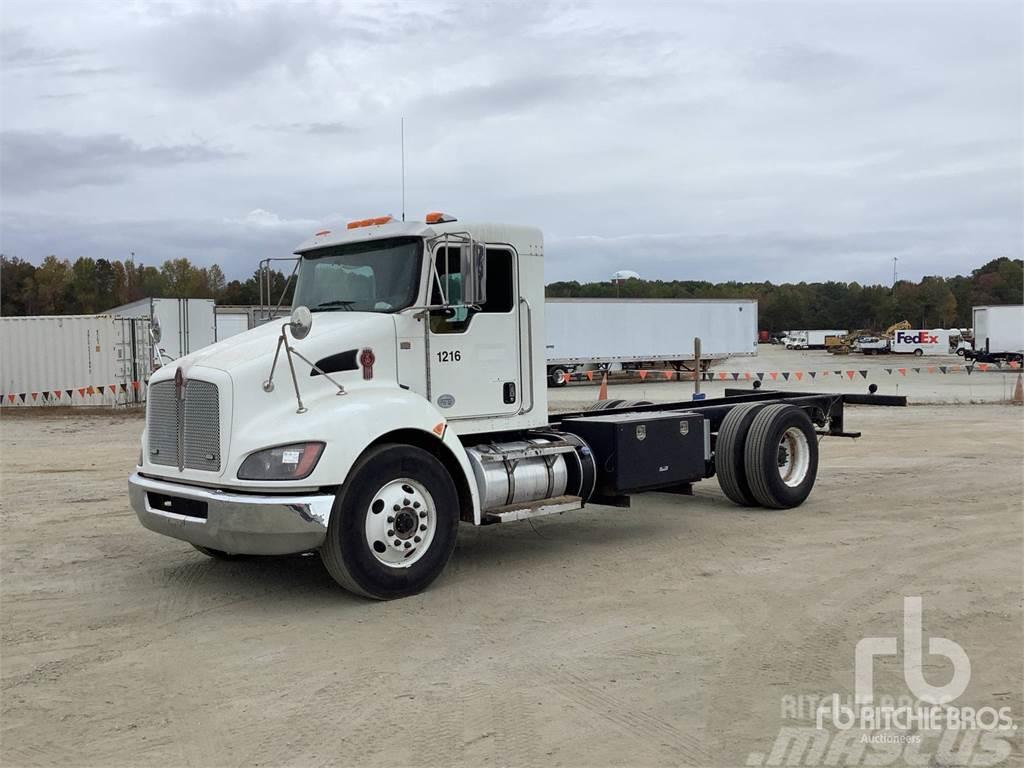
<point x="665" y="634"/>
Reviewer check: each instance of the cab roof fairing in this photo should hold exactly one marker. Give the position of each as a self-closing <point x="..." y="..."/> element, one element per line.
<point x="528" y="238"/>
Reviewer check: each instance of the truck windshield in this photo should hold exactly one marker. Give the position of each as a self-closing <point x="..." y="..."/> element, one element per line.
<point x="377" y="276"/>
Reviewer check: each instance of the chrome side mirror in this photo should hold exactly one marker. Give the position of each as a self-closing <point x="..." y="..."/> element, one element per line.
<point x="474" y="273"/>
<point x="301" y="322"/>
<point x="155" y="332"/>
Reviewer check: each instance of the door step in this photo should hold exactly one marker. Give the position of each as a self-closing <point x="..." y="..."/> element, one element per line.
<point x="512" y="512"/>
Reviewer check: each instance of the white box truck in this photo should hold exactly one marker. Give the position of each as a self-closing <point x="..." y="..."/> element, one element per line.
<point x="809" y="339"/>
<point x="634" y="333"/>
<point x="186" y="325"/>
<point x="405" y="396"/>
<point x="937" y="341"/>
<point x="998" y="334"/>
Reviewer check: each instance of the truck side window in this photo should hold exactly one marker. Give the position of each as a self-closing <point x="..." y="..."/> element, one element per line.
<point x="500" y="289"/>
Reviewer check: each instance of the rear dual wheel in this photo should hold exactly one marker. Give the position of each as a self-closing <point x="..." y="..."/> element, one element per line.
<point x="767" y="455"/>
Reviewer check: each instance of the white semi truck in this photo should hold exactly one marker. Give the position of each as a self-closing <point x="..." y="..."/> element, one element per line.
<point x="616" y="334"/>
<point x="406" y="395"/>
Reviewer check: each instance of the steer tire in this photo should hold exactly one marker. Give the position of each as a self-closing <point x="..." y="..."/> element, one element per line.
<point x="729" y="456"/>
<point x="348" y="554"/>
<point x="779" y="432"/>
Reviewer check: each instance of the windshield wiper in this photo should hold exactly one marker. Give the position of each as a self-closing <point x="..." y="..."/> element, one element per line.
<point x="346" y="305"/>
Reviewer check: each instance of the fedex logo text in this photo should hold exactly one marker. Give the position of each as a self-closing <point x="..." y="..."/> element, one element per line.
<point x="921" y="337"/>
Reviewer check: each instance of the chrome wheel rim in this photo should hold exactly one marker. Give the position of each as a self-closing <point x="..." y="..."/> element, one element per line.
<point x="794" y="457"/>
<point x="400" y="523"/>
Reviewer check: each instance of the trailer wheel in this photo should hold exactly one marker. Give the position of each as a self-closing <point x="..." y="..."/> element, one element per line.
<point x="729" y="456"/>
<point x="557" y="376"/>
<point x="393" y="525"/>
<point x="781" y="456"/>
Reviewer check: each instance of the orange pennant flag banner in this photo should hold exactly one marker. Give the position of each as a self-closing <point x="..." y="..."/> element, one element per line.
<point x="931" y="369"/>
<point x="799" y="375"/>
<point x="746" y="375"/>
<point x="90" y="390"/>
<point x="135" y="385"/>
<point x="35" y="395"/>
<point x="56" y="393"/>
<point x="668" y="375"/>
<point x="590" y="375"/>
<point x="642" y="374"/>
<point x="722" y="375"/>
<point x="113" y="387"/>
<point x="851" y="374"/>
<point x="81" y="391"/>
<point x="774" y="375"/>
<point x="903" y="371"/>
<point x="982" y="366"/>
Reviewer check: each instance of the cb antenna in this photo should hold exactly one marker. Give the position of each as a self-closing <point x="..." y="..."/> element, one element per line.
<point x="403" y="168"/>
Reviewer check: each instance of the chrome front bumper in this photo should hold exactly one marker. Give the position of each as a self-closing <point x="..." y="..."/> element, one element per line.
<point x="238" y="523"/>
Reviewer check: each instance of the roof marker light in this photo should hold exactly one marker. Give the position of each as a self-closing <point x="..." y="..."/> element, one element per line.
<point x="322" y="232"/>
<point x="369" y="222"/>
<point x="436" y="217"/>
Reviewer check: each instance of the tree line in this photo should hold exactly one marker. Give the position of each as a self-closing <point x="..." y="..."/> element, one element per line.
<point x="88" y="286"/>
<point x="933" y="302"/>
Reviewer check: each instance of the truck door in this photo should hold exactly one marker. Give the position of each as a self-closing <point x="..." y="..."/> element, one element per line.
<point x="474" y="367"/>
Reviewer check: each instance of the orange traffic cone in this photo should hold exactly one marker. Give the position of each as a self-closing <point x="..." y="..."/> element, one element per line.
<point x="602" y="393"/>
<point x="1018" y="392"/>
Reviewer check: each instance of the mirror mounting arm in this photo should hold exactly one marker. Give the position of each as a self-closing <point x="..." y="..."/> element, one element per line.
<point x="289" y="350"/>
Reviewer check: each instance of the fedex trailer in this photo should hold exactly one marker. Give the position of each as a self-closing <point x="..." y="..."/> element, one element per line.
<point x="922" y="342"/>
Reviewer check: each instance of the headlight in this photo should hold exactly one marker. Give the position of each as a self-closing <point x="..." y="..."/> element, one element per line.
<point x="285" y="462"/>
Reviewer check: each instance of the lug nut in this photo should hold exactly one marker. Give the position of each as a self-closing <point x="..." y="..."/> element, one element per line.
<point x="406" y="502"/>
<point x="423" y="514"/>
<point x="417" y="539"/>
<point x="423" y="527"/>
<point x="391" y="519"/>
<point x="391" y="533"/>
<point x="398" y="543"/>
<point x="396" y="507"/>
<point x="407" y="545"/>
<point x="415" y="505"/>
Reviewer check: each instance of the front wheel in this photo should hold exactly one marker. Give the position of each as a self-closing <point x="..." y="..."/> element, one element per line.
<point x="557" y="376"/>
<point x="960" y="353"/>
<point x="394" y="523"/>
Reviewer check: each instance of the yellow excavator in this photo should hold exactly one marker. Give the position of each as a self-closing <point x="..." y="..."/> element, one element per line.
<point x="843" y="345"/>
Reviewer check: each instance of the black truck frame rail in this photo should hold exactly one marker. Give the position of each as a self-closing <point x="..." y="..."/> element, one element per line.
<point x="824" y="409"/>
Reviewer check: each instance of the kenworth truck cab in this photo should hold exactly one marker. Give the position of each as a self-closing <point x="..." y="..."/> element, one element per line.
<point x="406" y="394"/>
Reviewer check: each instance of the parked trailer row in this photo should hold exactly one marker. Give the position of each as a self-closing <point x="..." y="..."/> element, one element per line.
<point x="405" y="395"/>
<point x="582" y="334"/>
<point x="90" y="360"/>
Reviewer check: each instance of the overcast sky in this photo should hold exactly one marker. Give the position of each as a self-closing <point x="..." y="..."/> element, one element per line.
<point x="682" y="140"/>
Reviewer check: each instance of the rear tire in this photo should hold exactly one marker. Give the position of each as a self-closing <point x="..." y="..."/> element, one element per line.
<point x="729" y="454"/>
<point x="918" y="352"/>
<point x="781" y="456"/>
<point x="424" y="526"/>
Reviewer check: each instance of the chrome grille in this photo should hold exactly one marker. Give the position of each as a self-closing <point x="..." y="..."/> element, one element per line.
<point x="184" y="433"/>
<point x="202" y="426"/>
<point x="162" y="417"/>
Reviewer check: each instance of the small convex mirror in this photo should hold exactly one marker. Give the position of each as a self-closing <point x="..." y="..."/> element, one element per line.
<point x="155" y="332"/>
<point x="301" y="322"/>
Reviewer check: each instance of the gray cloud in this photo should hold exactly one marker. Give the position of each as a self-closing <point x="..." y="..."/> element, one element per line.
<point x="37" y="161"/>
<point x="696" y="140"/>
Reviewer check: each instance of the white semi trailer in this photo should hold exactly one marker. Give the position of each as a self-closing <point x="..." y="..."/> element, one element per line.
<point x="634" y="333"/>
<point x="405" y="395"/>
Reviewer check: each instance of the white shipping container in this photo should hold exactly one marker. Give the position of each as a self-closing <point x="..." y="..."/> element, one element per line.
<point x="999" y="329"/>
<point x="74" y="360"/>
<point x="231" y="324"/>
<point x="640" y="330"/>
<point x="186" y="325"/>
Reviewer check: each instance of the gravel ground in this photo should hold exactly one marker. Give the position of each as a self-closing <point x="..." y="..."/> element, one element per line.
<point x="670" y="633"/>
